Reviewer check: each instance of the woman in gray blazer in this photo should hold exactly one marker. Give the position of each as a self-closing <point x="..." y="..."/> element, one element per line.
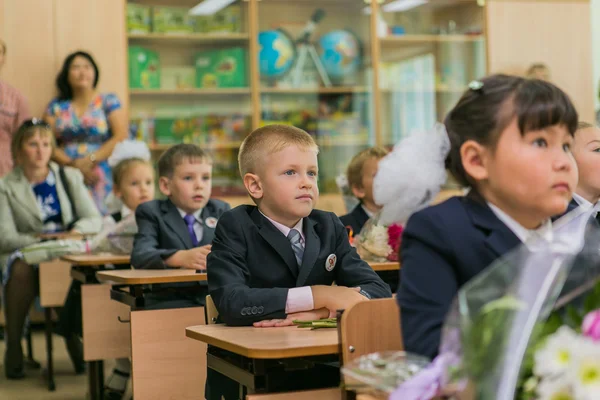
<point x="36" y="197"/>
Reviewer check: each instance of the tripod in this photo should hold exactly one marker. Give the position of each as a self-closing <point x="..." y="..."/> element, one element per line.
<point x="307" y="49"/>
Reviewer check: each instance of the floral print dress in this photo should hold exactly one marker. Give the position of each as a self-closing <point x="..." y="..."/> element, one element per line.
<point x="80" y="136"/>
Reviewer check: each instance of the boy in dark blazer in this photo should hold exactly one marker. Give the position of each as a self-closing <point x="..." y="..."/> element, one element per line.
<point x="275" y="262"/>
<point x="177" y="232"/>
<point x="360" y="174"/>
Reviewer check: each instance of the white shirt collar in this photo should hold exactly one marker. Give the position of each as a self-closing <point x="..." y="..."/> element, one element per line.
<point x="367" y="211"/>
<point x="284" y="229"/>
<point x="195" y="214"/>
<point x="585" y="204"/>
<point x="125" y="211"/>
<point x="527" y="236"/>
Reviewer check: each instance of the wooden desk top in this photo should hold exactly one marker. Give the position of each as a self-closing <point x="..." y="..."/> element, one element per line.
<point x="386" y="266"/>
<point x="60" y="235"/>
<point x="96" y="259"/>
<point x="267" y="343"/>
<point x="149" y="276"/>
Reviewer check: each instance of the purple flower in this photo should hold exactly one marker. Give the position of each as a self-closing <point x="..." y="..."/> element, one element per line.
<point x="591" y="325"/>
<point x="428" y="383"/>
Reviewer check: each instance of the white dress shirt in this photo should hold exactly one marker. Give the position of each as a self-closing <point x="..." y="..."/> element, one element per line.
<point x="586" y="205"/>
<point x="299" y="299"/>
<point x="527" y="236"/>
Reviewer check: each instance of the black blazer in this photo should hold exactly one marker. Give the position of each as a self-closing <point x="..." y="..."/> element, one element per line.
<point x="252" y="266"/>
<point x="162" y="232"/>
<point x="356" y="219"/>
<point x="442" y="248"/>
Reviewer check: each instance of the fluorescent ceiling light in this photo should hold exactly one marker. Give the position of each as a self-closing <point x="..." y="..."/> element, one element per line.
<point x="402" y="5"/>
<point x="397" y="6"/>
<point x="210" y="7"/>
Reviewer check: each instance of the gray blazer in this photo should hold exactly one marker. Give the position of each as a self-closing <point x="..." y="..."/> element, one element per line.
<point x="20" y="216"/>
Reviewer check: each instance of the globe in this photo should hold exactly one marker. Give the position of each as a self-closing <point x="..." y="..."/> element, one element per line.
<point x="340" y="53"/>
<point x="277" y="53"/>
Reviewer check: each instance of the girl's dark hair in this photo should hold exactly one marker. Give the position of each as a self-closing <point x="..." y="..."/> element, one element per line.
<point x="62" y="80"/>
<point x="486" y="109"/>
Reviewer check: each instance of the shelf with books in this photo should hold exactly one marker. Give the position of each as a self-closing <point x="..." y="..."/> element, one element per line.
<point x="189" y="92"/>
<point x="189" y="38"/>
<point x="315" y="90"/>
<point x="419" y="39"/>
<point x="160" y="147"/>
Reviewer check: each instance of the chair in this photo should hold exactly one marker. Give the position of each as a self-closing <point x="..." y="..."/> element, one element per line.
<point x="369" y="327"/>
<point x="210" y="310"/>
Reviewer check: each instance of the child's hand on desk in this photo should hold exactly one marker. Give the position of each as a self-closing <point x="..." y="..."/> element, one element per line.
<point x="289" y="321"/>
<point x="190" y="259"/>
<point x="336" y="298"/>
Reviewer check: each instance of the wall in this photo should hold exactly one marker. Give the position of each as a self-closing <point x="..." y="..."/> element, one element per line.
<point x="557" y="33"/>
<point x="40" y="33"/>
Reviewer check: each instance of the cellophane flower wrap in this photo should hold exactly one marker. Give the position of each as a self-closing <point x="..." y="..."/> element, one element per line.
<point x="116" y="238"/>
<point x="528" y="327"/>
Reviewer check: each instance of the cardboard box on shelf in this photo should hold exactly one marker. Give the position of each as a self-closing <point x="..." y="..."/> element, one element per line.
<point x="225" y="68"/>
<point x="172" y="20"/>
<point x="144" y="68"/>
<point x="228" y="20"/>
<point x="138" y="18"/>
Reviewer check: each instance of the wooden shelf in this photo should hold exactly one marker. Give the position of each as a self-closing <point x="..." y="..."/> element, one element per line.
<point x="189" y="92"/>
<point x="319" y="90"/>
<point x="199" y="38"/>
<point x="407" y="39"/>
<point x="213" y="146"/>
<point x="442" y="90"/>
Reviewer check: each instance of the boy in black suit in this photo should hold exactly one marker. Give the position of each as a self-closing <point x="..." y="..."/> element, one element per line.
<point x="360" y="174"/>
<point x="275" y="262"/>
<point x="177" y="232"/>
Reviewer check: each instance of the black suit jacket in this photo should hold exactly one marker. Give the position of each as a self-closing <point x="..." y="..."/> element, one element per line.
<point x="162" y="232"/>
<point x="356" y="219"/>
<point x="443" y="247"/>
<point x="252" y="266"/>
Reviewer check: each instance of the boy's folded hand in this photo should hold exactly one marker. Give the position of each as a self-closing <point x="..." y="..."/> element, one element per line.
<point x="194" y="258"/>
<point x="336" y="297"/>
<point x="289" y="321"/>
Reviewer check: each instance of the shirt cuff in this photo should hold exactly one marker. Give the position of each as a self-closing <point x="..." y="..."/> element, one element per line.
<point x="299" y="299"/>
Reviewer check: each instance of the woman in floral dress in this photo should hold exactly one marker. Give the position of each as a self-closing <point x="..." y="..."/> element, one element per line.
<point x="87" y="124"/>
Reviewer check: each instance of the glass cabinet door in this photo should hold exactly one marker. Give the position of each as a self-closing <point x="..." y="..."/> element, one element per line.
<point x="429" y="52"/>
<point x="315" y="73"/>
<point x="189" y="80"/>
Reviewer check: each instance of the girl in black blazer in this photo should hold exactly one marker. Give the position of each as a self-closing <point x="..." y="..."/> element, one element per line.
<point x="510" y="142"/>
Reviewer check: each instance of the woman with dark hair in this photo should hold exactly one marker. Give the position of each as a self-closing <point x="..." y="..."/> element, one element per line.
<point x="87" y="124"/>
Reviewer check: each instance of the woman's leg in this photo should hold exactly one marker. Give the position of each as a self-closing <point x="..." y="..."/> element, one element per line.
<point x="20" y="291"/>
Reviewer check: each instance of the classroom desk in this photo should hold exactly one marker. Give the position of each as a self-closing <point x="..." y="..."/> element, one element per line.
<point x="385" y="266"/>
<point x="164" y="361"/>
<point x="105" y="336"/>
<point x="261" y="348"/>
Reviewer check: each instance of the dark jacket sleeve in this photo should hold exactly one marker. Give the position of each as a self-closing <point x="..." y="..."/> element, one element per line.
<point x="428" y="283"/>
<point x="146" y="252"/>
<point x="229" y="279"/>
<point x="352" y="270"/>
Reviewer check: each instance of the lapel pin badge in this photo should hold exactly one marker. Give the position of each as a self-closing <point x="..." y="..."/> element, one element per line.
<point x="211" y="222"/>
<point x="330" y="263"/>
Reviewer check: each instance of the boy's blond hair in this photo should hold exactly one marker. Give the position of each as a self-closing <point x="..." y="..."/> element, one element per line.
<point x="355" y="168"/>
<point x="268" y="140"/>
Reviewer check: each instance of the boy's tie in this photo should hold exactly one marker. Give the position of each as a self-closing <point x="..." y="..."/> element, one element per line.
<point x="190" y="220"/>
<point x="294" y="238"/>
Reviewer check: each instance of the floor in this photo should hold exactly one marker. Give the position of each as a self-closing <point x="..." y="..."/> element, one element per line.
<point x="68" y="385"/>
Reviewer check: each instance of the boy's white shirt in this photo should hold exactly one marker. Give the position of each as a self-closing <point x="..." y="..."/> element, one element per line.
<point x="300" y="298"/>
<point x="586" y="205"/>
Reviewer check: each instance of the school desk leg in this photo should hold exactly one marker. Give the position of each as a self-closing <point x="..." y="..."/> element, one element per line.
<point x="50" y="362"/>
<point x="96" y="380"/>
